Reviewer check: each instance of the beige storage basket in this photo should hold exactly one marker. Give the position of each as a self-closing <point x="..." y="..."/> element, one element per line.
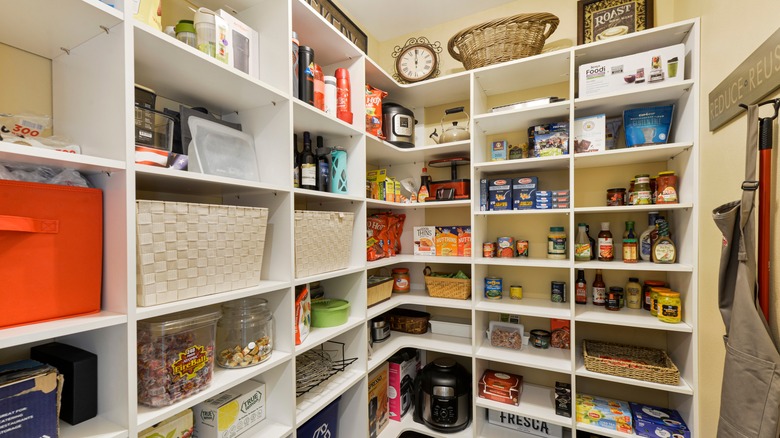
<point x="189" y="250"/>
<point x="641" y="363"/>
<point x="442" y="287"/>
<point x="323" y="241"/>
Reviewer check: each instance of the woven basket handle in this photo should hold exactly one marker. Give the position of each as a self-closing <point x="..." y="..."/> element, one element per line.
<point x="548" y="19"/>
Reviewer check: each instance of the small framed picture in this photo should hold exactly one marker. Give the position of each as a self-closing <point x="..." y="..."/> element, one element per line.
<point x="601" y="19"/>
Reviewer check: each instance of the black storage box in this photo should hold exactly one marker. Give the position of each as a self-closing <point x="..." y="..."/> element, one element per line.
<point x="79" y="367"/>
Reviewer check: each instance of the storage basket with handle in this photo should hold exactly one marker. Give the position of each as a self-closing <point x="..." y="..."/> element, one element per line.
<point x="442" y="287"/>
<point x="641" y="363"/>
<point x="408" y="321"/>
<point x="379" y="289"/>
<point x="323" y="241"/>
<point x="503" y="39"/>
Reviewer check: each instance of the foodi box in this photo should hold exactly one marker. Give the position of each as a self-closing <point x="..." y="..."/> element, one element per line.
<point x="604" y="412"/>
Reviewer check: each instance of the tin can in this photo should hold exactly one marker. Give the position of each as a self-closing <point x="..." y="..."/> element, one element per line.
<point x="516" y="292"/>
<point x="522" y="248"/>
<point x="505" y="247"/>
<point x="558" y="292"/>
<point x="489" y="249"/>
<point x="494" y="288"/>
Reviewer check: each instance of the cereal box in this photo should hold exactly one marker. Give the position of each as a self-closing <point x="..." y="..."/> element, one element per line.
<point x="590" y="134"/>
<point x="604" y="412"/>
<point x="550" y="139"/>
<point x="524" y="192"/>
<point x="500" y="194"/>
<point x="446" y="241"/>
<point x="231" y="413"/>
<point x="464" y="241"/>
<point x="498" y="150"/>
<point x="378" y="413"/>
<point x="425" y="241"/>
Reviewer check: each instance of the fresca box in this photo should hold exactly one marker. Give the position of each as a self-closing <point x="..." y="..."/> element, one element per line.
<point x="179" y="426"/>
<point x="425" y="241"/>
<point x="498" y="150"/>
<point x="402" y="370"/>
<point x="29" y="399"/>
<point x="524" y="192"/>
<point x="525" y="426"/>
<point x="633" y="72"/>
<point x="646" y="126"/>
<point x="446" y="241"/>
<point x="590" y="134"/>
<point x="377" y="400"/>
<point x="231" y="413"/>
<point x="653" y="422"/>
<point x="604" y="412"/>
<point x="500" y="194"/>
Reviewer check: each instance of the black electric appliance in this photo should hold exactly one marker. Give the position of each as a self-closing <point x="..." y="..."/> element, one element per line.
<point x="443" y="396"/>
<point x="398" y="125"/>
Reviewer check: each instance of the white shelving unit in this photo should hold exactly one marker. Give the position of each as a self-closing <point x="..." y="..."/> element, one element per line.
<point x="92" y="81"/>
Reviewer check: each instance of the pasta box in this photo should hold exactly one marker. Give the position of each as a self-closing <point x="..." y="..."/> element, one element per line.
<point x="500" y="194"/>
<point x="604" y="412"/>
<point x="524" y="192"/>
<point x="525" y="426"/>
<point x="501" y="387"/>
<point x="424" y="240"/>
<point x="653" y="422"/>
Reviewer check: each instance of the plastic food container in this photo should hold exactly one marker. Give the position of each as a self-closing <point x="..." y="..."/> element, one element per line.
<point x="506" y="335"/>
<point x="175" y="356"/>
<point x="451" y="326"/>
<point x="245" y="333"/>
<point x="329" y="313"/>
<point x="223" y="151"/>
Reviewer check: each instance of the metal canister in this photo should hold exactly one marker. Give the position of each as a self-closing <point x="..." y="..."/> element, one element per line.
<point x="489" y="249"/>
<point x="522" y="248"/>
<point x="494" y="288"/>
<point x="516" y="292"/>
<point x="505" y="247"/>
<point x="558" y="292"/>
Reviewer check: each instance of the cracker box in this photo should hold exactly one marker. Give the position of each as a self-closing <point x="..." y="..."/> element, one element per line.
<point x="653" y="422"/>
<point x="550" y="140"/>
<point x="464" y="241"/>
<point x="29" y="399"/>
<point x="425" y="241"/>
<point x="179" y="426"/>
<point x="604" y="412"/>
<point x="500" y="194"/>
<point x="231" y="413"/>
<point x="662" y="66"/>
<point x="525" y="426"/>
<point x="590" y="134"/>
<point x="647" y="126"/>
<point x="387" y="190"/>
<point x="524" y="192"/>
<point x="377" y="400"/>
<point x="498" y="150"/>
<point x="446" y="241"/>
<point x="402" y="370"/>
<point x="501" y="387"/>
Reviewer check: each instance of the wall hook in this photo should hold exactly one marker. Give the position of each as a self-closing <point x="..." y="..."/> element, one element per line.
<point x="105" y="29"/>
<point x="65" y="50"/>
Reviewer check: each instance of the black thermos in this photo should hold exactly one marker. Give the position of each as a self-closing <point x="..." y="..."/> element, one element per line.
<point x="306" y="74"/>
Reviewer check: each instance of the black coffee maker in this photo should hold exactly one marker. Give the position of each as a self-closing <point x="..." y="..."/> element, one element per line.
<point x="443" y="396"/>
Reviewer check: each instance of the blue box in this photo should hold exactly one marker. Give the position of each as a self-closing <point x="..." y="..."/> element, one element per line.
<point x="325" y="423"/>
<point x="29" y="394"/>
<point x="550" y="139"/>
<point x="524" y="192"/>
<point x="500" y="194"/>
<point x="483" y="194"/>
<point x="652" y="422"/>
<point x="647" y="126"/>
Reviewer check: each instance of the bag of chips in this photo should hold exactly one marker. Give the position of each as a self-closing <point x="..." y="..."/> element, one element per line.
<point x="374" y="98"/>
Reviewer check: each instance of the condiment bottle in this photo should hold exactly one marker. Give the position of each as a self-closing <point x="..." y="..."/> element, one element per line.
<point x="633" y="293"/>
<point x="645" y="244"/>
<point x="593" y="247"/>
<point x="582" y="244"/>
<point x="654" y="299"/>
<point x="664" y="250"/>
<point x="581" y="288"/>
<point x="630" y="244"/>
<point x="401" y="282"/>
<point x="599" y="290"/>
<point x="308" y="165"/>
<point x="631" y="194"/>
<point x="606" y="246"/>
<point x="647" y="289"/>
<point x="643" y="192"/>
<point x="669" y="307"/>
<point x="667" y="188"/>
<point x="556" y="243"/>
<point x="425" y="181"/>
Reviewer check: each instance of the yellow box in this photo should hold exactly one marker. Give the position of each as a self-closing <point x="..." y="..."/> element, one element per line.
<point x="231" y="413"/>
<point x="178" y="426"/>
<point x="148" y="12"/>
<point x="378" y="175"/>
<point x="446" y="241"/>
<point x="397" y="190"/>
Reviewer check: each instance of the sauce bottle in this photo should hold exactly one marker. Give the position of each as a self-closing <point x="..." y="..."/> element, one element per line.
<point x="425" y="181"/>
<point x="633" y="293"/>
<point x="606" y="247"/>
<point x="630" y="244"/>
<point x="645" y="244"/>
<point x="599" y="290"/>
<point x="664" y="250"/>
<point x="582" y="244"/>
<point x="581" y="288"/>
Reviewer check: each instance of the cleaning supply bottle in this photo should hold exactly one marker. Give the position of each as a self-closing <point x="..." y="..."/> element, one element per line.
<point x="425" y="182"/>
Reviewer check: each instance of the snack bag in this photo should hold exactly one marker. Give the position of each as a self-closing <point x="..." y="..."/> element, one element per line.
<point x="374" y="98"/>
<point x="302" y="313"/>
<point x="376" y="237"/>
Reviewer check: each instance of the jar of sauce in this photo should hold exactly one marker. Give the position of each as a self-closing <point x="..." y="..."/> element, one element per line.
<point x="669" y="307"/>
<point x="643" y="194"/>
<point x="616" y="196"/>
<point x="401" y="281"/>
<point x="647" y="301"/>
<point x="654" y="293"/>
<point x="613" y="298"/>
<point x="667" y="188"/>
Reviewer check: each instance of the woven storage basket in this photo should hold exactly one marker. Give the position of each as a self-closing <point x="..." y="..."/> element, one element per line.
<point x="502" y="40"/>
<point x="323" y="241"/>
<point x="440" y="287"/>
<point x="408" y="321"/>
<point x="641" y="363"/>
<point x="379" y="289"/>
<point x="189" y="250"/>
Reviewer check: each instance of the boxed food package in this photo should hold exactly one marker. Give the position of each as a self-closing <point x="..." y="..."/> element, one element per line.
<point x="377" y="400"/>
<point x="425" y="241"/>
<point x="373" y="180"/>
<point x="549" y="139"/>
<point x="516" y="151"/>
<point x="148" y="12"/>
<point x="402" y="370"/>
<point x="563" y="399"/>
<point x="500" y="194"/>
<point x="498" y="150"/>
<point x="483" y="194"/>
<point x="525" y="426"/>
<point x="29" y="399"/>
<point x="613" y="126"/>
<point x="561" y="333"/>
<point x="590" y="134"/>
<point x="446" y="241"/>
<point x="652" y="422"/>
<point x="180" y="425"/>
<point x="501" y="387"/>
<point x="647" y="126"/>
<point x="242" y="45"/>
<point x="464" y="241"/>
<point x="231" y="413"/>
<point x="664" y="65"/>
<point x="604" y="412"/>
<point x="524" y="192"/>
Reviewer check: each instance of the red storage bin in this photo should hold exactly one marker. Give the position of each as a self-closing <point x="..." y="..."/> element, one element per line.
<point x="51" y="251"/>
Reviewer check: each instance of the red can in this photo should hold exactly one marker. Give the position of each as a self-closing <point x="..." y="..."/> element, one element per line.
<point x="522" y="248"/>
<point x="489" y="249"/>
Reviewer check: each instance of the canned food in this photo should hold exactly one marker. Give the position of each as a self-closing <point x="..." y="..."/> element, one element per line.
<point x="506" y="247"/>
<point x="540" y="338"/>
<point x="516" y="292"/>
<point x="558" y="292"/>
<point x="494" y="288"/>
<point x="489" y="249"/>
<point x="522" y="248"/>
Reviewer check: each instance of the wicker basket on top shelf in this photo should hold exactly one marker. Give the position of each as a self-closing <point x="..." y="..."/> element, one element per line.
<point x="641" y="363"/>
<point x="443" y="287"/>
<point x="503" y="39"/>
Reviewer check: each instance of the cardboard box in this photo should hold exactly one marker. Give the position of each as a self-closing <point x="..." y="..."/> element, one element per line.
<point x="550" y="139"/>
<point x="377" y="400"/>
<point x="387" y="190"/>
<point x="662" y="66"/>
<point x="515" y="152"/>
<point x="464" y="241"/>
<point x="652" y="422"/>
<point x="146" y="11"/>
<point x="483" y="194"/>
<point x="402" y="370"/>
<point x="500" y="194"/>
<point x="79" y="401"/>
<point x="29" y="399"/>
<point x="397" y="185"/>
<point x="244" y="404"/>
<point x="527" y="427"/>
<point x="243" y="45"/>
<point x="563" y="399"/>
<point x="501" y="387"/>
<point x="604" y="412"/>
<point x="425" y="241"/>
<point x="498" y="150"/>
<point x="524" y="192"/>
<point x="646" y="126"/>
<point x="446" y="241"/>
<point x="590" y="134"/>
<point x="179" y="426"/>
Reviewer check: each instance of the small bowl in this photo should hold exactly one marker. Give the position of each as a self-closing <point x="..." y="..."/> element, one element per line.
<point x="629" y="78"/>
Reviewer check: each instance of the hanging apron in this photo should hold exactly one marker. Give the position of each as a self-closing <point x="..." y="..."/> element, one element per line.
<point x="750" y="395"/>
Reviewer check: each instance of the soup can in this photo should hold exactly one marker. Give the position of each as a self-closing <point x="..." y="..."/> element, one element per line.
<point x="494" y="288"/>
<point x="506" y="247"/>
<point x="516" y="292"/>
<point x="522" y="248"/>
<point x="489" y="249"/>
<point x="558" y="292"/>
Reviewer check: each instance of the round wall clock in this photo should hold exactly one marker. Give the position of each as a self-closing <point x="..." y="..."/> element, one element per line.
<point x="417" y="60"/>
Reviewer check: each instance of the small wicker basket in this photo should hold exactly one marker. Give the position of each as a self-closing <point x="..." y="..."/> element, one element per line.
<point x="641" y="363"/>
<point x="503" y="39"/>
<point x="408" y="321"/>
<point x="442" y="287"/>
<point x="379" y="289"/>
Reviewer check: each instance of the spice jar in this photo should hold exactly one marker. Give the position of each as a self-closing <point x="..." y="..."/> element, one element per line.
<point x="667" y="188"/>
<point x="669" y="306"/>
<point x="643" y="194"/>
<point x="245" y="333"/>
<point x="401" y="282"/>
<point x="613" y="298"/>
<point x="647" y="300"/>
<point x="616" y="197"/>
<point x="556" y="243"/>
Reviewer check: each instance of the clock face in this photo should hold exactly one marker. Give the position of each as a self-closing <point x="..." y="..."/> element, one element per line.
<point x="416" y="63"/>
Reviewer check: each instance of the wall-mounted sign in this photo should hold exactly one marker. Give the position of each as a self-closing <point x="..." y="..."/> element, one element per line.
<point x="341" y="22"/>
<point x="754" y="79"/>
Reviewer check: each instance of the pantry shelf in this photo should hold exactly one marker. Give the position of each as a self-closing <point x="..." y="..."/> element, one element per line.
<point x="632" y="99"/>
<point x="618" y="265"/>
<point x="626" y="317"/>
<point x="269" y="428"/>
<point x="407" y="258"/>
<point x="332" y="46"/>
<point x="394" y="429"/>
<point x="315" y="195"/>
<point x="536" y="401"/>
<point x="381" y="153"/>
<point x="523" y="212"/>
<point x="426" y="341"/>
<point x="416" y="297"/>
<point x="10" y="152"/>
<point x="489" y="430"/>
<point x="313" y="401"/>
<point x="375" y="203"/>
<point x="537" y="307"/>
<point x="97" y="427"/>
<point x="328" y="275"/>
<point x="604" y="432"/>
<point x="159" y="179"/>
<point x="633" y="208"/>
<point x="504" y="77"/>
<point x="682" y="388"/>
<point x="635" y="155"/>
<point x="432" y="92"/>
<point x="519" y="120"/>
<point x="41" y="331"/>
<point x="524" y="262"/>
<point x="556" y="162"/>
<point x="549" y="359"/>
<point x="318" y="335"/>
<point x="315" y="121"/>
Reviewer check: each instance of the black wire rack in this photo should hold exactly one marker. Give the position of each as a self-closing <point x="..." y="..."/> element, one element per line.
<point x="318" y="365"/>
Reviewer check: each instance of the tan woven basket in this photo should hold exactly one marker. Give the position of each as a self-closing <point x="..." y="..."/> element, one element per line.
<point x="323" y="241"/>
<point x="641" y="363"/>
<point x="379" y="289"/>
<point x="503" y="39"/>
<point x="440" y="287"/>
<point x="189" y="250"/>
<point x="408" y="321"/>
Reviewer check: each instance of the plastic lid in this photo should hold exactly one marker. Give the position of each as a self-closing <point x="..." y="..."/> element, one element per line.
<point x="666" y="173"/>
<point x="556" y="229"/>
<point x="330" y="305"/>
<point x="401" y="271"/>
<point x="582" y="224"/>
<point x="179" y="322"/>
<point x="185" y="26"/>
<point x="222" y="151"/>
<point x="617" y="189"/>
<point x="633" y="279"/>
<point x="655" y="283"/>
<point x="615" y="289"/>
<point x="330" y="80"/>
<point x="669" y="293"/>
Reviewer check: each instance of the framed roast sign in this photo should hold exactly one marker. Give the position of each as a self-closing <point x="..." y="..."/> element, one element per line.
<point x="601" y="19"/>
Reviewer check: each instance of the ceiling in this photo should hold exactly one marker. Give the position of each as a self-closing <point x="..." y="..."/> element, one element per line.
<point x="392" y="18"/>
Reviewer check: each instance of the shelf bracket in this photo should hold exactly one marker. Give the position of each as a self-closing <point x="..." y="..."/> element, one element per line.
<point x="105" y="29"/>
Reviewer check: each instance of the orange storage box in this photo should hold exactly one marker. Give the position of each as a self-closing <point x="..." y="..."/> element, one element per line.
<point x="51" y="251"/>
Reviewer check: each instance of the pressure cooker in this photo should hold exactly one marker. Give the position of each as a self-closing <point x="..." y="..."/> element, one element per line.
<point x="398" y="125"/>
<point x="443" y="396"/>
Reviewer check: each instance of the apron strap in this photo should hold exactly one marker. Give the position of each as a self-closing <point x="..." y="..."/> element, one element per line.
<point x="749" y="187"/>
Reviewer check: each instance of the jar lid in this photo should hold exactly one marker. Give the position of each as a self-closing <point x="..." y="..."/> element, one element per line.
<point x="659" y="289"/>
<point x="615" y="289"/>
<point x="556" y="229"/>
<point x="669" y="293"/>
<point x="666" y="173"/>
<point x="655" y="283"/>
<point x="400" y="271"/>
<point x="633" y="279"/>
<point x="185" y="26"/>
<point x="582" y="224"/>
<point x="617" y="189"/>
<point x="643" y="175"/>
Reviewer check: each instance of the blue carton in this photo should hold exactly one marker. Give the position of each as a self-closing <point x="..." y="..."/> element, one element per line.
<point x="524" y="192"/>
<point x="29" y="399"/>
<point x="653" y="422"/>
<point x="647" y="126"/>
<point x="500" y="194"/>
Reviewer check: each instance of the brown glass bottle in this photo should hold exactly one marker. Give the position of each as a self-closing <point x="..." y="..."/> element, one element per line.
<point x="581" y="288"/>
<point x="599" y="290"/>
<point x="606" y="246"/>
